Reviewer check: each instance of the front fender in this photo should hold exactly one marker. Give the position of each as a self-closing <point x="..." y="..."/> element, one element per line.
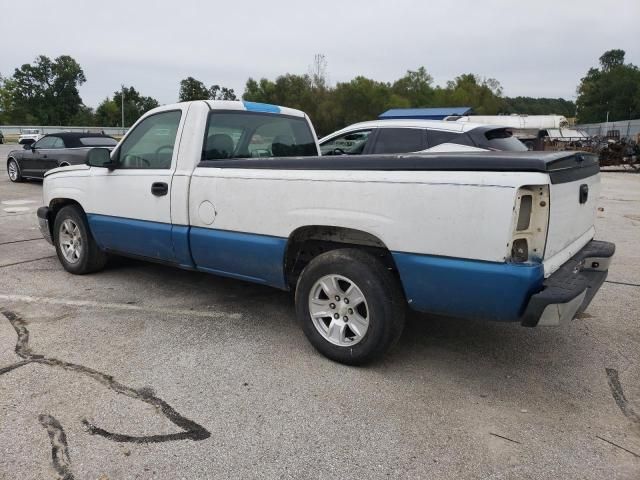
<point x="65" y="184"/>
<point x="53" y="171"/>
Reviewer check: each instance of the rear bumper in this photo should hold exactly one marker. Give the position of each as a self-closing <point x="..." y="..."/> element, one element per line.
<point x="570" y="289"/>
<point x="43" y="223"/>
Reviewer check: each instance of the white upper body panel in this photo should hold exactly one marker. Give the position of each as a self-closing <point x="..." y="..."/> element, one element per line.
<point x="456" y="214"/>
<point x="463" y="214"/>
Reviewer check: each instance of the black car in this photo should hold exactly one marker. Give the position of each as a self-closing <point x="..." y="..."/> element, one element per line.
<point x="52" y="151"/>
<point x="1" y="137"/>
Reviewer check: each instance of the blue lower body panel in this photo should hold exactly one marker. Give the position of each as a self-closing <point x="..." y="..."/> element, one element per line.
<point x="247" y="256"/>
<point x="468" y="288"/>
<point x="134" y="237"/>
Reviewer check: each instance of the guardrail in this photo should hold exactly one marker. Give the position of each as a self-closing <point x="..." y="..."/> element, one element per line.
<point x="44" y="129"/>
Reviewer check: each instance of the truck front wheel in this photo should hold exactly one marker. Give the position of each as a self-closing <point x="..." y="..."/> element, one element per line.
<point x="350" y="305"/>
<point x="76" y="248"/>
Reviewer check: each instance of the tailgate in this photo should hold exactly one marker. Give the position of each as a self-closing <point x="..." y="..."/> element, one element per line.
<point x="573" y="197"/>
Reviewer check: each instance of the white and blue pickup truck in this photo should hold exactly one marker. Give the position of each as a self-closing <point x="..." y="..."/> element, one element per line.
<point x="238" y="189"/>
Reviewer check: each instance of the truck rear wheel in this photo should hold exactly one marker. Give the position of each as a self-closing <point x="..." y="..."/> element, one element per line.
<point x="76" y="248"/>
<point x="350" y="305"/>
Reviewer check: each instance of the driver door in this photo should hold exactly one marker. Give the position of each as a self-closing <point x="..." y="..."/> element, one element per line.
<point x="33" y="157"/>
<point x="129" y="208"/>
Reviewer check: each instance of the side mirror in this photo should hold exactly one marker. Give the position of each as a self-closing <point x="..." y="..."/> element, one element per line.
<point x="100" y="157"/>
<point x="27" y="146"/>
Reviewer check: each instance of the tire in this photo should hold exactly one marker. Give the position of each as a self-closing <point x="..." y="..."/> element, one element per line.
<point x="13" y="170"/>
<point x="363" y="330"/>
<point x="76" y="248"/>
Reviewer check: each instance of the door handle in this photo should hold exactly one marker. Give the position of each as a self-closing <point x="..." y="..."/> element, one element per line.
<point x="159" y="189"/>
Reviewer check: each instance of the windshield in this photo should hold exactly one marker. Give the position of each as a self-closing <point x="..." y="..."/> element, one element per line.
<point x="249" y="135"/>
<point x="502" y="139"/>
<point x="98" y="141"/>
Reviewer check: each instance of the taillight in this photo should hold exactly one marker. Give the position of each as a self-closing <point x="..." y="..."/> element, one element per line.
<point x="530" y="222"/>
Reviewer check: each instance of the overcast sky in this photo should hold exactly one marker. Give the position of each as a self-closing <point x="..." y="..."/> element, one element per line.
<point x="534" y="48"/>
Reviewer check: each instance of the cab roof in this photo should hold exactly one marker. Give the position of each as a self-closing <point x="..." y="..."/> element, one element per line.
<point x="253" y="107"/>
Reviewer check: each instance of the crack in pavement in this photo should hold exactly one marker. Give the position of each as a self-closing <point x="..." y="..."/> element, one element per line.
<point x="618" y="395"/>
<point x="60" y="452"/>
<point x="26" y="261"/>
<point x="59" y="446"/>
<point x="22" y="241"/>
<point x="119" y="306"/>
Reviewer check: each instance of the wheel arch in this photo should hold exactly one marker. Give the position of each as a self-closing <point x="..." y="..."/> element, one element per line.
<point x="307" y="242"/>
<point x="57" y="204"/>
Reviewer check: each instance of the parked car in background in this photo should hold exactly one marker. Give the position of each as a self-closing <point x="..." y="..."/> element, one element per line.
<point x="29" y="135"/>
<point x="416" y="135"/>
<point x="1" y="137"/>
<point x="52" y="151"/>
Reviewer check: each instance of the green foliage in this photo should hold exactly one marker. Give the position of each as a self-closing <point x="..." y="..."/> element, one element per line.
<point x="84" y="118"/>
<point x="416" y="86"/>
<point x="192" y="89"/>
<point x="44" y="92"/>
<point x="364" y="99"/>
<point x="483" y="95"/>
<point x="613" y="88"/>
<point x="109" y="112"/>
<point x="540" y="106"/>
<point x="216" y="92"/>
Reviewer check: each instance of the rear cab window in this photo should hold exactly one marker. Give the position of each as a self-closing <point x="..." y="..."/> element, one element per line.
<point x="241" y="134"/>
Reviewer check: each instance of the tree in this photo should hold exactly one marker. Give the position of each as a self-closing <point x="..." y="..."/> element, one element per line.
<point x="364" y="99"/>
<point x="333" y="107"/>
<point x="612" y="91"/>
<point x="192" y="89"/>
<point x="612" y="59"/>
<point x="109" y="112"/>
<point x="484" y="95"/>
<point x="416" y="87"/>
<point x="216" y="92"/>
<point x="539" y="106"/>
<point x="84" y="118"/>
<point x="44" y="92"/>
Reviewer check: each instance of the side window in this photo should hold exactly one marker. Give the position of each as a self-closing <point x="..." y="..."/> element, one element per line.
<point x="400" y="140"/>
<point x="57" y="143"/>
<point x="150" y="144"/>
<point x="46" y="142"/>
<point x="438" y="137"/>
<point x="352" y="143"/>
